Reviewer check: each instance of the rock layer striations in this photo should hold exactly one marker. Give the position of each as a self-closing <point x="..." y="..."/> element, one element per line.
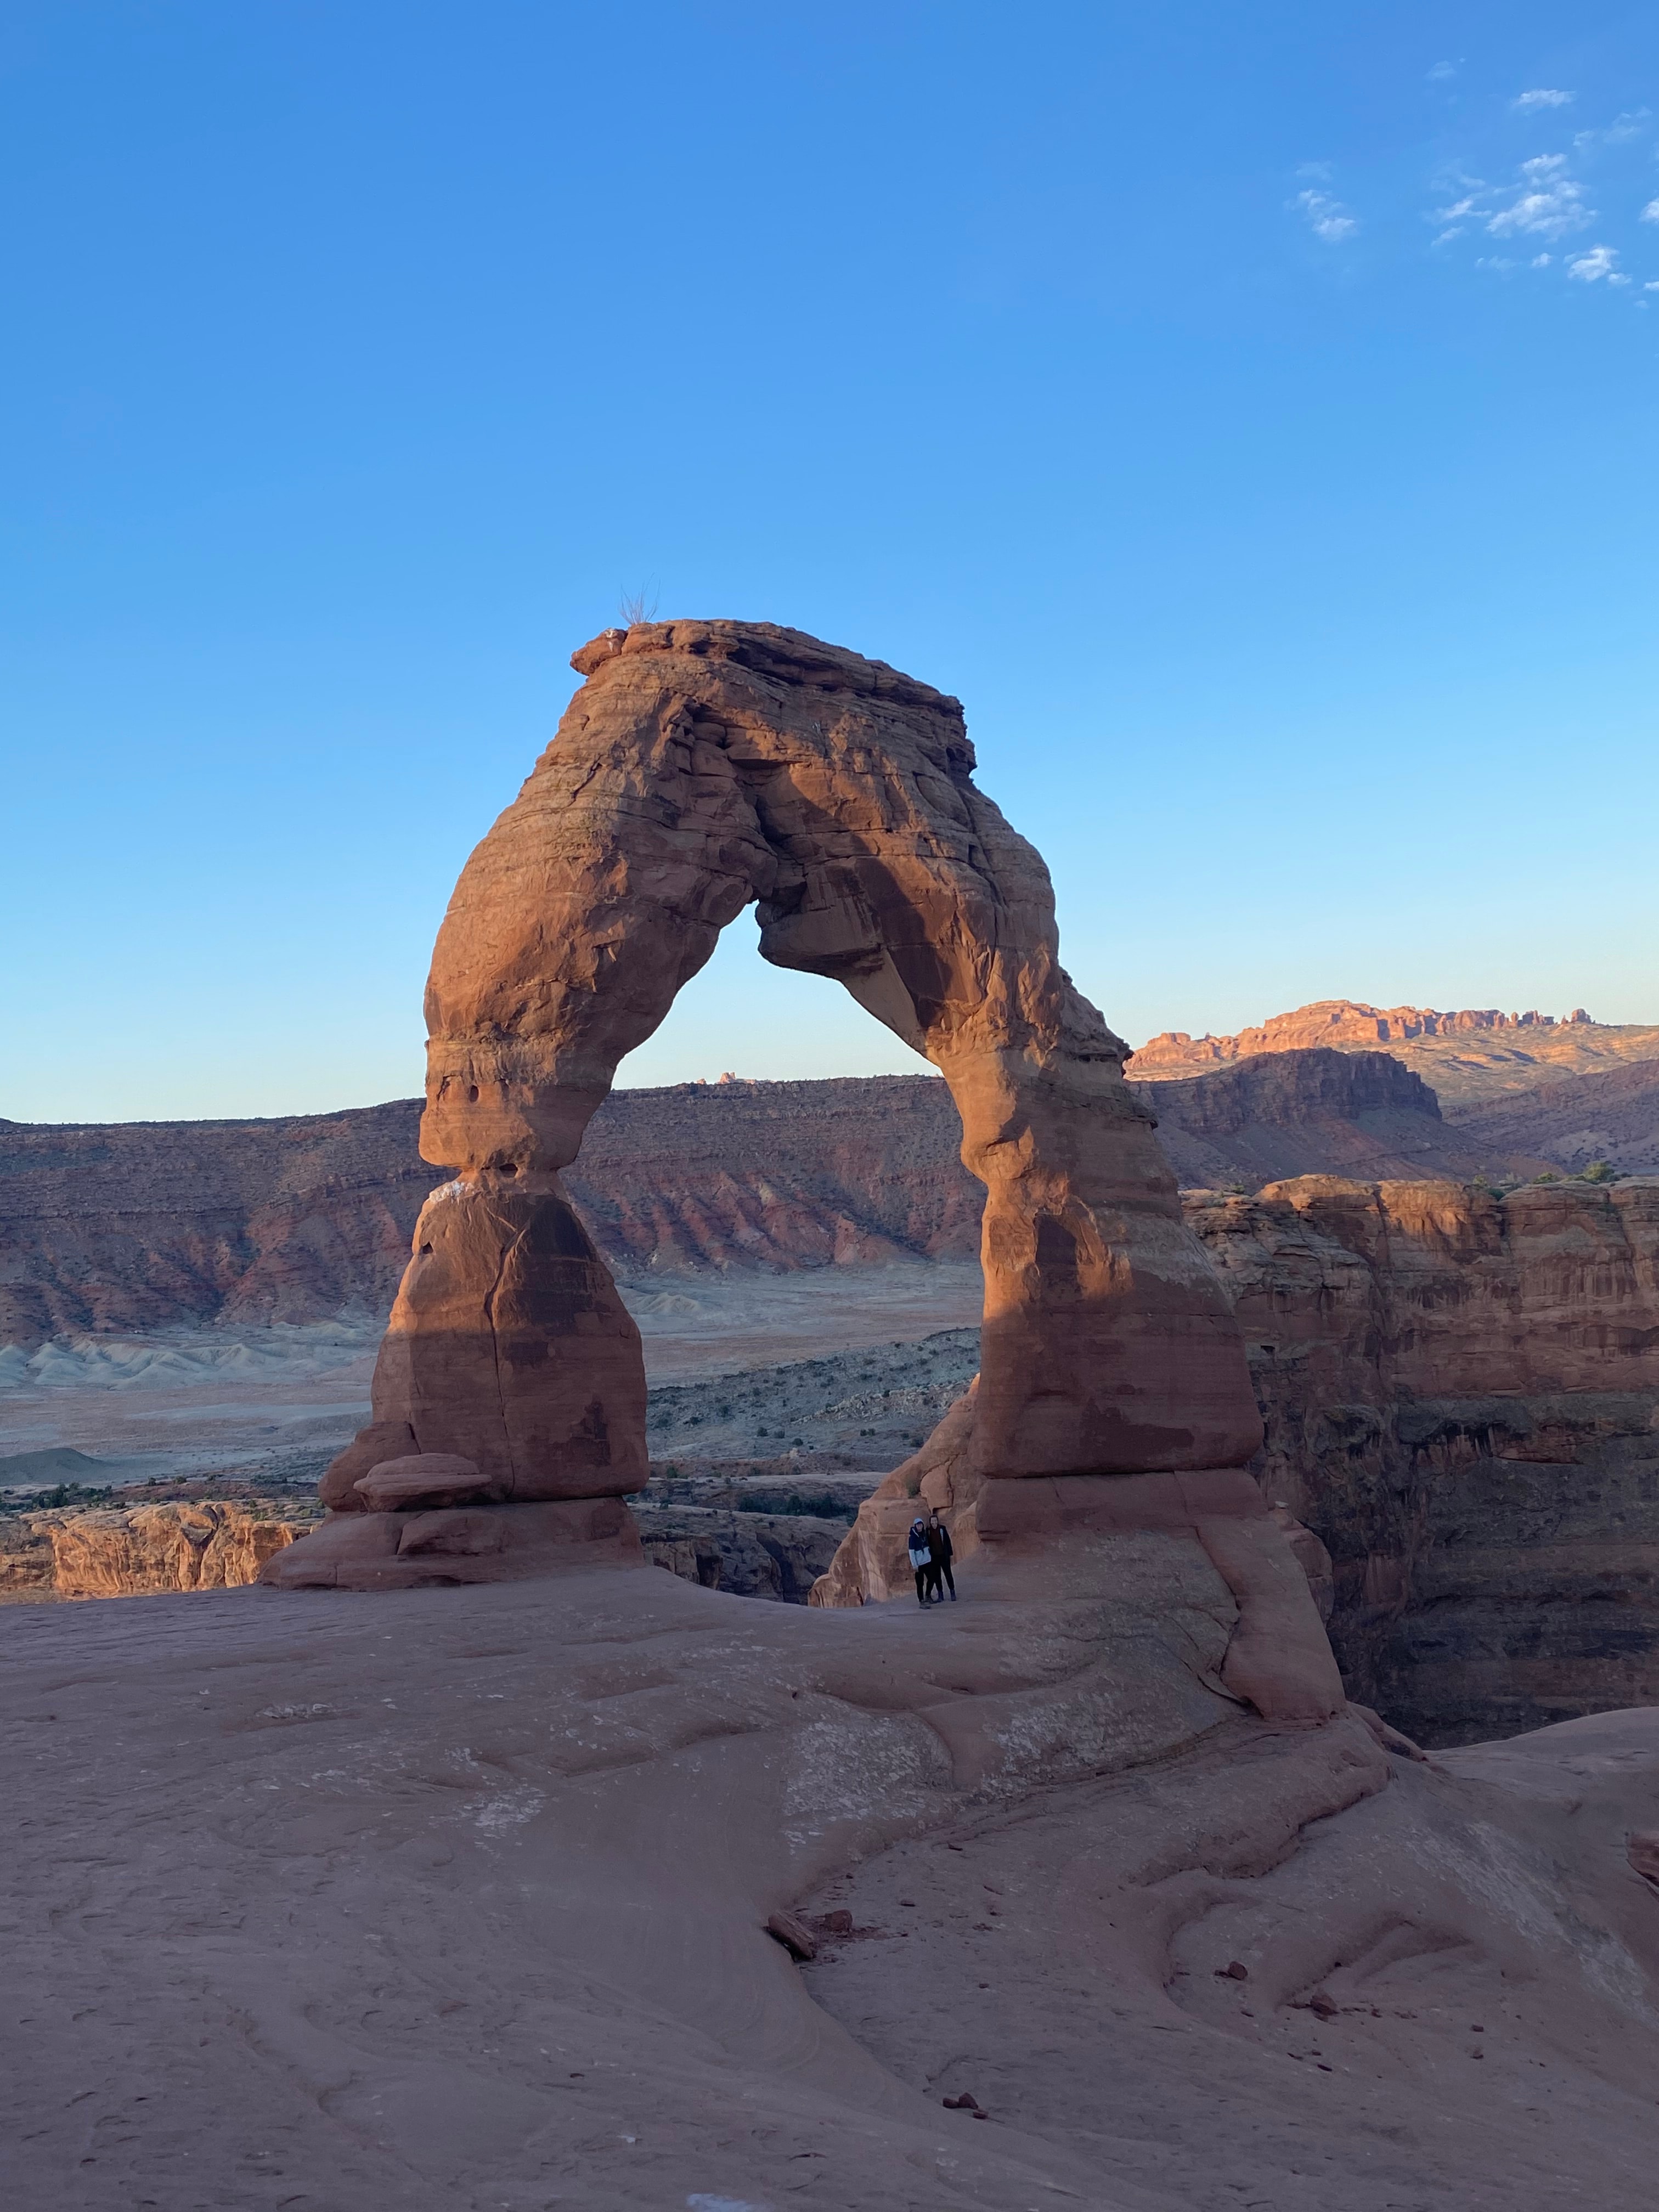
<point x="152" y="1225"/>
<point x="1461" y="1397"/>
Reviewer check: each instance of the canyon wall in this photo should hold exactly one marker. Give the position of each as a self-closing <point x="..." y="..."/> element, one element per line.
<point x="147" y="1225"/>
<point x="1461" y="1399"/>
<point x="127" y="1551"/>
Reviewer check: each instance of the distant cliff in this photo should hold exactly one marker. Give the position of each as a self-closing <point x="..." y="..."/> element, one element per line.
<point x="1477" y="1053"/>
<point x="1295" y="1113"/>
<point x="1613" y="1117"/>
<point x="1461" y="1398"/>
<point x="141" y="1225"/>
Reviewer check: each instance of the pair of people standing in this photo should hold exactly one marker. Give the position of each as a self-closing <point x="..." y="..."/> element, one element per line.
<point x="930" y="1553"/>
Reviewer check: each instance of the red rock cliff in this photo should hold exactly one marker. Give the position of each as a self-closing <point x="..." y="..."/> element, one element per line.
<point x="1461" y="1397"/>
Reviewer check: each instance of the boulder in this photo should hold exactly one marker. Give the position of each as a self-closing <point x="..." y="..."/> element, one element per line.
<point x="423" y="1479"/>
<point x="486" y="1544"/>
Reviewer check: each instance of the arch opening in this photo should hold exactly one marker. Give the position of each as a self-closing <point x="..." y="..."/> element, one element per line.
<point x="704" y="768"/>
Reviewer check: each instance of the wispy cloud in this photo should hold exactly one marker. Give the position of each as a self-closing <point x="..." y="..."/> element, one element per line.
<point x="1601" y="261"/>
<point x="1326" y="218"/>
<point x="1549" y="204"/>
<point x="1582" y="219"/>
<point x="1442" y="71"/>
<point x="1619" y="132"/>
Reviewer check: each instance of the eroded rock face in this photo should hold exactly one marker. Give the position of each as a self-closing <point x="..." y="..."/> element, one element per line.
<point x="1461" y="1399"/>
<point x="702" y="767"/>
<point x="135" y="1550"/>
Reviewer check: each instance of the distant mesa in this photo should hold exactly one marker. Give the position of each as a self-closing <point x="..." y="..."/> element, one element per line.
<point x="1476" y="1052"/>
<point x="1347" y="1022"/>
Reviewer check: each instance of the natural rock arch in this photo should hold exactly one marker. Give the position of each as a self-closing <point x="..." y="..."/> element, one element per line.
<point x="705" y="766"/>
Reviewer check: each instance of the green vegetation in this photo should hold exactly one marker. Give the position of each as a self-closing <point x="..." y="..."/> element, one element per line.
<point x="45" y="1501"/>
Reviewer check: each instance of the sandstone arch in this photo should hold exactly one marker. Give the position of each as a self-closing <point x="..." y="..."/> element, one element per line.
<point x="705" y="766"/>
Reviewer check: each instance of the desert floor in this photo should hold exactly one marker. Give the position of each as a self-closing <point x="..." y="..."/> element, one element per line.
<point x="281" y="1401"/>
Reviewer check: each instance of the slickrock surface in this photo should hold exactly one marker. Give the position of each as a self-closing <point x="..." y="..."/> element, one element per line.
<point x="1461" y="1399"/>
<point x="704" y="767"/>
<point x="1473" y="1054"/>
<point x="456" y="1900"/>
<point x="1613" y="1117"/>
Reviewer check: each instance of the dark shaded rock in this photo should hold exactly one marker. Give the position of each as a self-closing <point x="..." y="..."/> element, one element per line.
<point x="796" y="1937"/>
<point x="767" y="1555"/>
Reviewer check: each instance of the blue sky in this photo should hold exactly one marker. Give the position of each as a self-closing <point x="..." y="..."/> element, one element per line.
<point x="1248" y="412"/>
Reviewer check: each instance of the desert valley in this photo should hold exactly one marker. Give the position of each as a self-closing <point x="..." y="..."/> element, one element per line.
<point x="1450" y="1329"/>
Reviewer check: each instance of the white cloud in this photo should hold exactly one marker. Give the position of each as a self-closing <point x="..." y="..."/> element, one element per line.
<point x="1650" y="288"/>
<point x="1542" y="261"/>
<point x="1651" y="212"/>
<point x="1619" y="132"/>
<point x="1442" y="71"/>
<point x="1600" y="261"/>
<point x="1550" y="204"/>
<point x="1446" y="236"/>
<point x="1541" y="97"/>
<point x="1327" y="217"/>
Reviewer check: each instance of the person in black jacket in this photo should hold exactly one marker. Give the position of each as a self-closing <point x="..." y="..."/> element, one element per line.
<point x="921" y="1559"/>
<point x="940" y="1551"/>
